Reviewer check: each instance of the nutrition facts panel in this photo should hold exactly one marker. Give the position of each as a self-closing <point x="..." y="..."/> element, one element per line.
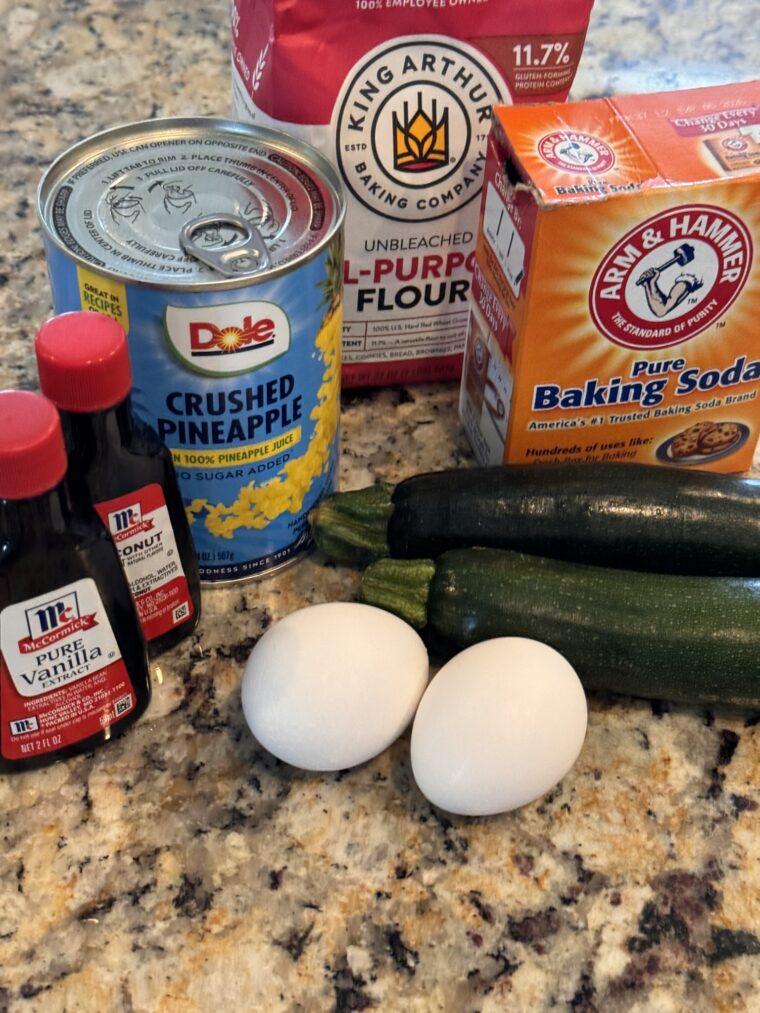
<point x="403" y="339"/>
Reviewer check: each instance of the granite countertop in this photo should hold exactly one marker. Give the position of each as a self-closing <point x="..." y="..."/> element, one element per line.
<point x="183" y="868"/>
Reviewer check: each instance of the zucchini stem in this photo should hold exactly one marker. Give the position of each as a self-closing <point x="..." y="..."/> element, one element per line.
<point x="352" y="527"/>
<point x="400" y="586"/>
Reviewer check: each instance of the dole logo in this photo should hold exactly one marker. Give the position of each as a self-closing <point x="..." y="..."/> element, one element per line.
<point x="227" y="339"/>
<point x="208" y="339"/>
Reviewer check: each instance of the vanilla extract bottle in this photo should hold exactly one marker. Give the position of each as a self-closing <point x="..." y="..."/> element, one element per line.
<point x="120" y="465"/>
<point x="73" y="662"/>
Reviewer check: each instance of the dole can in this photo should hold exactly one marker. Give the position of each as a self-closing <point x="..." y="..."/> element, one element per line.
<point x="218" y="246"/>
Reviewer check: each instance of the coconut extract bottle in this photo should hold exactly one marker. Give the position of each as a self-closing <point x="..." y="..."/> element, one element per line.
<point x="121" y="466"/>
<point x="73" y="663"/>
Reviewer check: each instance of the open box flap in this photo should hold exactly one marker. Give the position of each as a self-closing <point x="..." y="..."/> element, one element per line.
<point x="583" y="151"/>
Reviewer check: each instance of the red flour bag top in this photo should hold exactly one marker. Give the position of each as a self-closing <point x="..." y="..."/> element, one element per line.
<point x="398" y="94"/>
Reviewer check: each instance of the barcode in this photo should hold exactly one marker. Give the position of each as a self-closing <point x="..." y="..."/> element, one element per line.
<point x="123" y="704"/>
<point x="180" y="612"/>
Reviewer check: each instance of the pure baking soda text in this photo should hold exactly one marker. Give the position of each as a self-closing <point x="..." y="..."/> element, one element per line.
<point x="615" y="292"/>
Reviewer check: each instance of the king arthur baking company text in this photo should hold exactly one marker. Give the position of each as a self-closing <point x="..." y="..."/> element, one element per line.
<point x="400" y="98"/>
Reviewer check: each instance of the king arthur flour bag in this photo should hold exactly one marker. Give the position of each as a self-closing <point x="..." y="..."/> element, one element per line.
<point x="398" y="94"/>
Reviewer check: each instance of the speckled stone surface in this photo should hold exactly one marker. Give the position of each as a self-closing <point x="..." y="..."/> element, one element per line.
<point x="183" y="868"/>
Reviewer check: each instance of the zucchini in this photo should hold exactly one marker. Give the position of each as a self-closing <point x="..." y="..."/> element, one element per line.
<point x="690" y="639"/>
<point x="632" y="516"/>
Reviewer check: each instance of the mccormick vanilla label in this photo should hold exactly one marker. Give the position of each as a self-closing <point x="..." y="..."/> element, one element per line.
<point x="62" y="677"/>
<point x="400" y="99"/>
<point x="141" y="529"/>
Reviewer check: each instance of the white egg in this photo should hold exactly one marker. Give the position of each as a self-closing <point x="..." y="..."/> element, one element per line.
<point x="333" y="685"/>
<point x="499" y="725"/>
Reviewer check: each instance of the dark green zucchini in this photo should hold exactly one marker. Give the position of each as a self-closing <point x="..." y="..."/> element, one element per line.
<point x="691" y="639"/>
<point x="632" y="516"/>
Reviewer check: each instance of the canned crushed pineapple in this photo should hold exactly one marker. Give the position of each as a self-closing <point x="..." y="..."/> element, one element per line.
<point x="219" y="248"/>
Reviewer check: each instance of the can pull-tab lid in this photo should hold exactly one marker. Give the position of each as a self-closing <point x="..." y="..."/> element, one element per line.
<point x="242" y="253"/>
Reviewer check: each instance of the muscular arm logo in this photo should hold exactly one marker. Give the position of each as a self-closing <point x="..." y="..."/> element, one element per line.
<point x="575" y="152"/>
<point x="661" y="303"/>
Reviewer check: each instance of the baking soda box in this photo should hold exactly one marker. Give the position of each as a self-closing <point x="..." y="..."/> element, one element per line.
<point x="616" y="296"/>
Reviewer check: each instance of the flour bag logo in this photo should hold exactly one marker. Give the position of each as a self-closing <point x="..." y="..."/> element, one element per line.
<point x="411" y="124"/>
<point x="227" y="340"/>
<point x="671" y="277"/>
<point x="420" y="140"/>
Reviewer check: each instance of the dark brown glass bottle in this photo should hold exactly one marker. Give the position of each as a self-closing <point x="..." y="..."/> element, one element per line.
<point x="120" y="465"/>
<point x="73" y="662"/>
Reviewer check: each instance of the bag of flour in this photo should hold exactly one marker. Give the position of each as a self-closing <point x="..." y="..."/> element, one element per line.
<point x="398" y="94"/>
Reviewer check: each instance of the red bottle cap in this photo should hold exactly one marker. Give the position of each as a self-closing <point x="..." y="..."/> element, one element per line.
<point x="32" y="452"/>
<point x="83" y="361"/>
